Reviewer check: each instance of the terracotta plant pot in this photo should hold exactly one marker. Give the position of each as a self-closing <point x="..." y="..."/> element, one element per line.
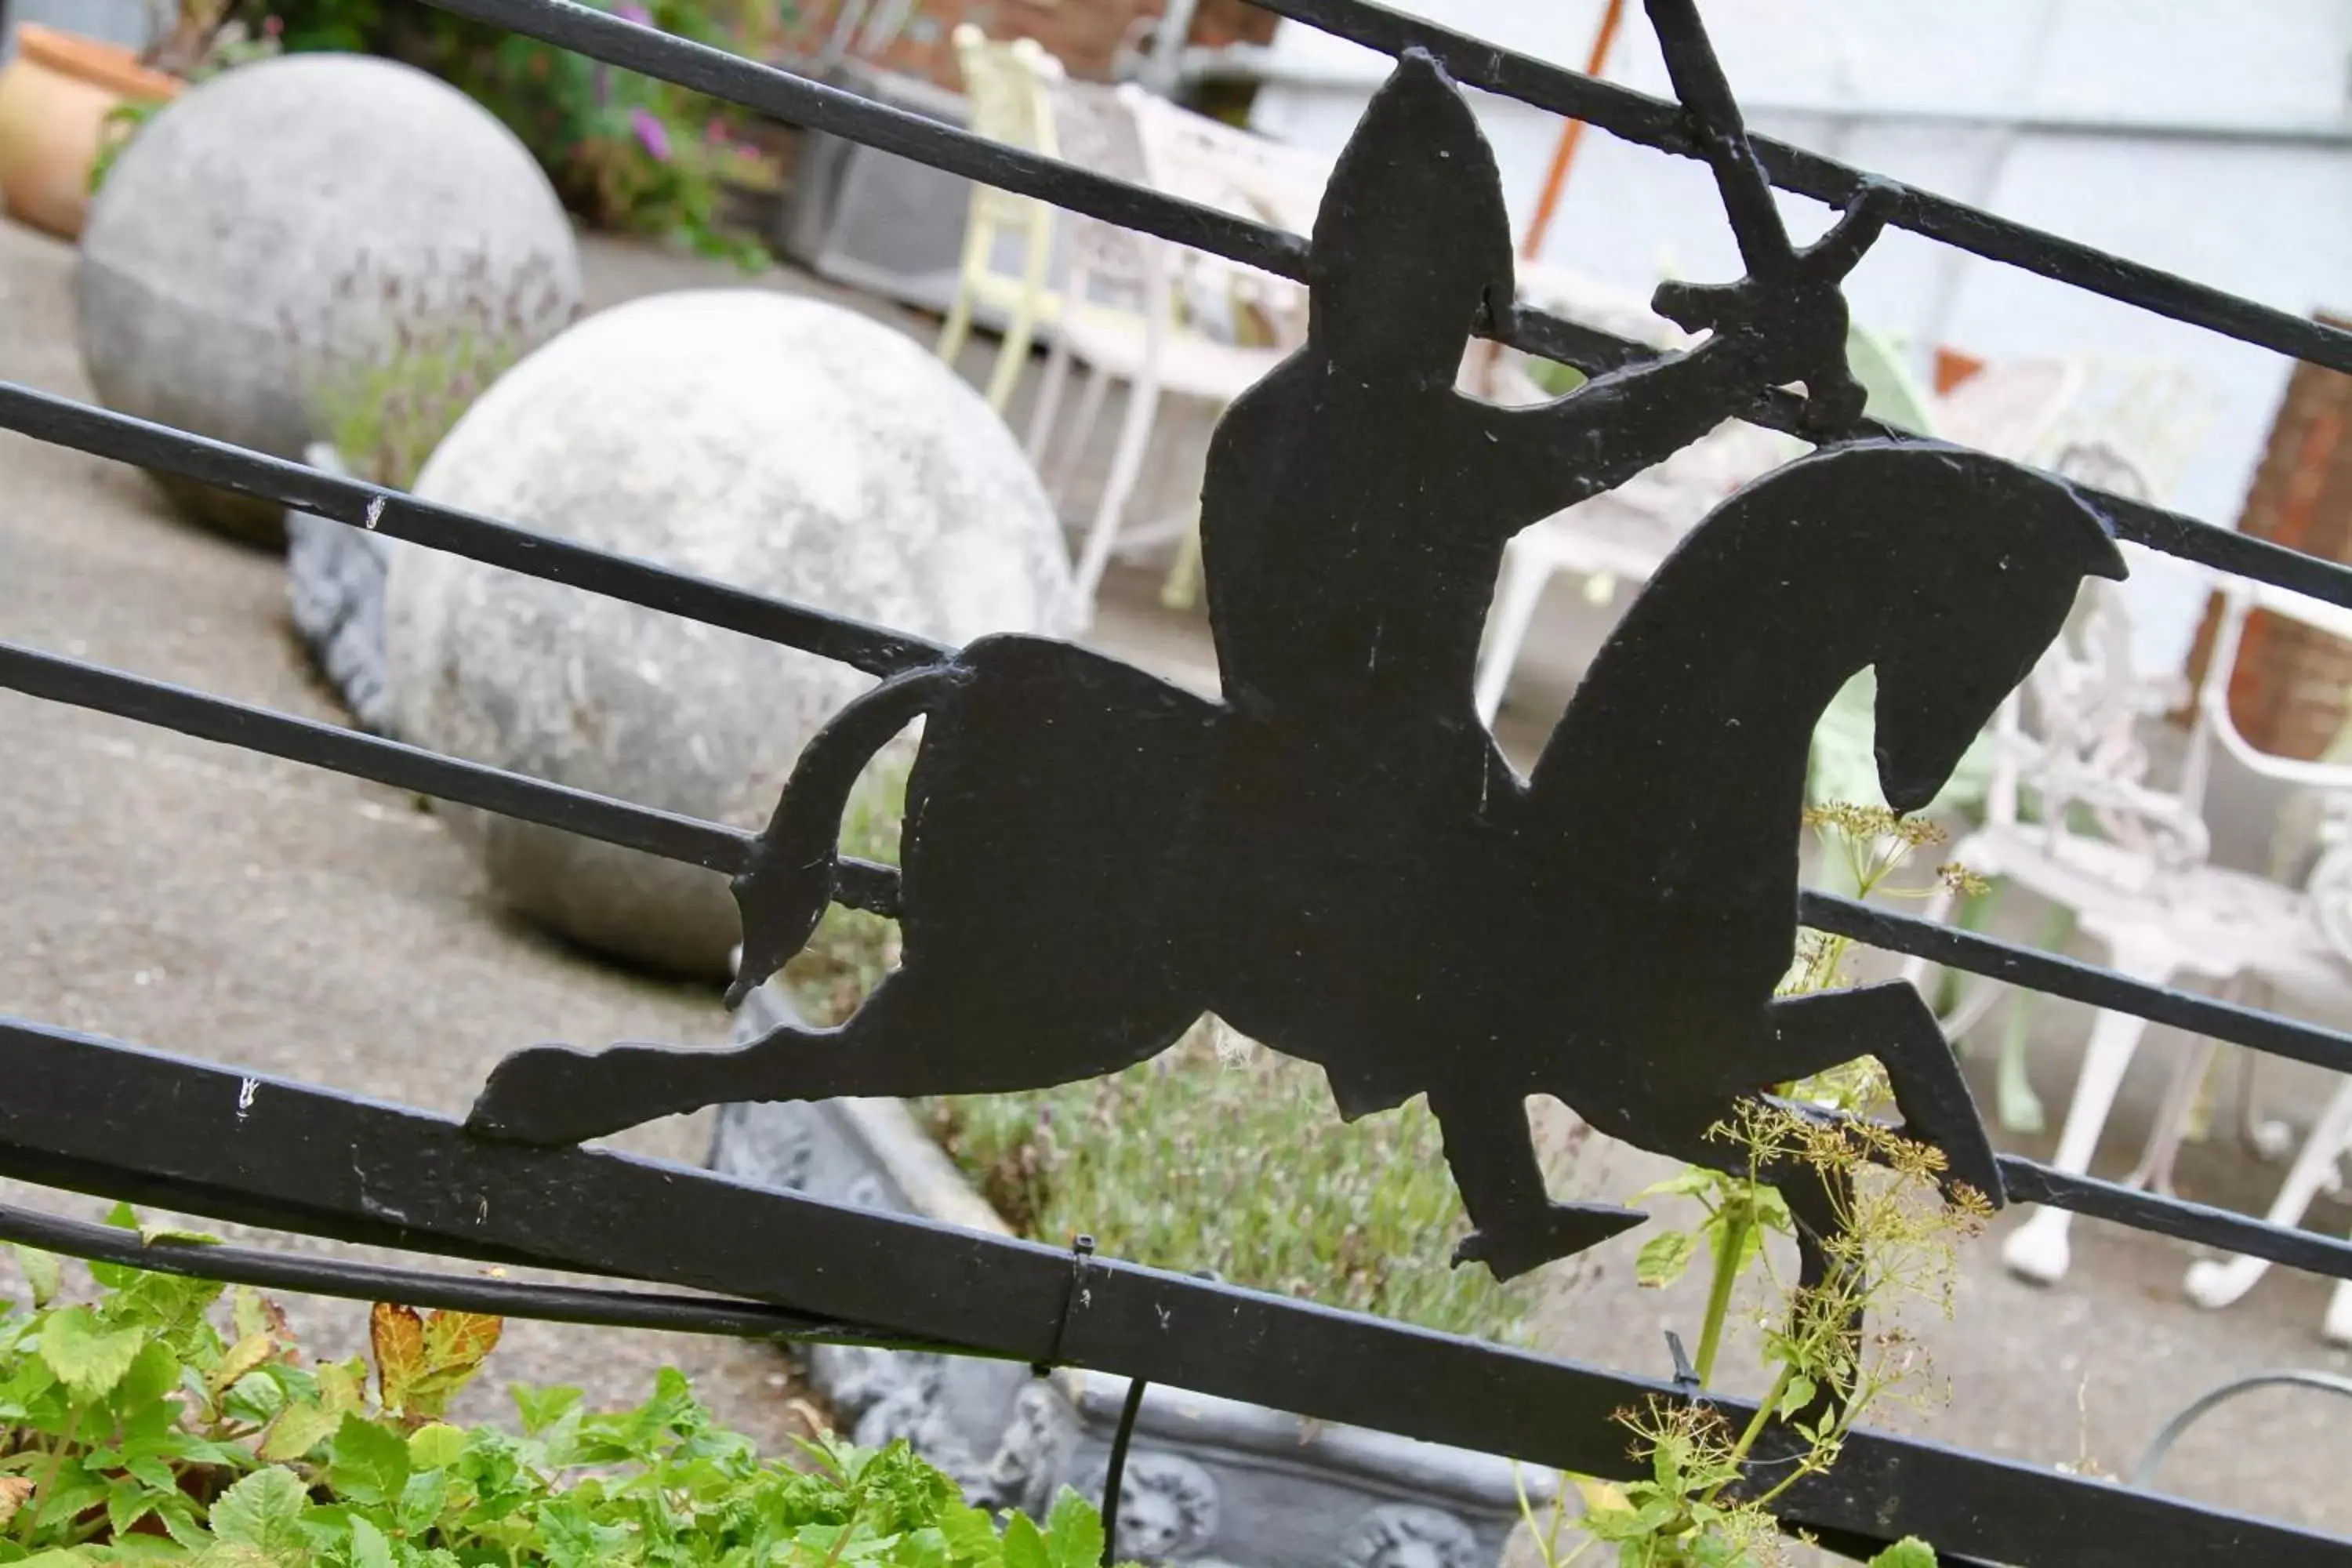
<point x="55" y="97"/>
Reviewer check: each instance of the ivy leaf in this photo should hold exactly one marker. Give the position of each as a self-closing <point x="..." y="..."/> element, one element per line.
<point x="1909" y="1553"/>
<point x="241" y="1358"/>
<point x="1023" y="1546"/>
<point x="1074" y="1533"/>
<point x="366" y="1463"/>
<point x="339" y="1383"/>
<point x="971" y="1539"/>
<point x="369" y="1547"/>
<point x="263" y="1511"/>
<point x="435" y="1447"/>
<point x="155" y="1373"/>
<point x="542" y="1407"/>
<point x="88" y="1359"/>
<point x="454" y="1346"/>
<point x="299" y="1430"/>
<point x="1690" y="1182"/>
<point x="396" y="1335"/>
<point x="41" y="1271"/>
<point x="127" y="1502"/>
<point x="1664" y="1258"/>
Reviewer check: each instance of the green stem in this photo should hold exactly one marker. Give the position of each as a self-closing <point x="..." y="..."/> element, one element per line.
<point x="1754" y="1428"/>
<point x="1719" y="1296"/>
<point x="42" y="1490"/>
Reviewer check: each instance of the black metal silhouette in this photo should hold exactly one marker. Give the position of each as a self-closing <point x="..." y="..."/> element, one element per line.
<point x="1336" y="859"/>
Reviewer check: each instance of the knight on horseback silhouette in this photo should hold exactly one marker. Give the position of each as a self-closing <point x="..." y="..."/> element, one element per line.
<point x="1336" y="859"/>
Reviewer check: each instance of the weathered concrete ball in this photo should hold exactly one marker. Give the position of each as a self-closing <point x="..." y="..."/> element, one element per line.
<point x="777" y="444"/>
<point x="294" y="213"/>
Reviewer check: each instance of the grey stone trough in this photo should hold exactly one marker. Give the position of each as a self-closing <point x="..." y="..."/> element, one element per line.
<point x="1209" y="1482"/>
<point x="334" y="590"/>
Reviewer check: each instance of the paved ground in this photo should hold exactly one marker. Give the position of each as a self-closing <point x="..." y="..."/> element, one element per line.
<point x="209" y="901"/>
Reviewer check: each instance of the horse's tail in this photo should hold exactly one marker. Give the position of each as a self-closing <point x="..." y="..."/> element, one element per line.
<point x="794" y="869"/>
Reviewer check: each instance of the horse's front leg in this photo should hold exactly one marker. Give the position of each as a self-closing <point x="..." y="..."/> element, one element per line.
<point x="1493" y="1155"/>
<point x="1814" y="1033"/>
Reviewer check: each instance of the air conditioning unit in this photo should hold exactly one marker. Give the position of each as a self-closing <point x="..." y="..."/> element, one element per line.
<point x="874" y="220"/>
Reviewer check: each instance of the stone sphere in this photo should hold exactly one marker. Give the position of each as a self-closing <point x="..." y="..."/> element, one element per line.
<point x="773" y="443"/>
<point x="296" y="209"/>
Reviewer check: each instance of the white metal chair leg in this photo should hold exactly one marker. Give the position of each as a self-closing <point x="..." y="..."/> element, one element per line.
<point x="1049" y="402"/>
<point x="2216" y="1283"/>
<point x="2039" y="1250"/>
<point x="2337" y="1326"/>
<point x="1081" y="429"/>
<point x="1516" y="597"/>
<point x="1126" y="466"/>
<point x="2154" y="1171"/>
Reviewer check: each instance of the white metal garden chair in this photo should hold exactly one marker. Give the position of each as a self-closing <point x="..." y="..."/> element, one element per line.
<point x="1164" y="319"/>
<point x="2073" y="817"/>
<point x="1621" y="535"/>
<point x="2328" y="896"/>
<point x="1008" y="86"/>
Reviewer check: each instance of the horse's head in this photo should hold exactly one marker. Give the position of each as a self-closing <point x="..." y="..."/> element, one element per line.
<point x="2001" y="552"/>
<point x="1413" y="235"/>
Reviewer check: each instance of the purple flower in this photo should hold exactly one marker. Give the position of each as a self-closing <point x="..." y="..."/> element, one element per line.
<point x="629" y="11"/>
<point x="652" y="133"/>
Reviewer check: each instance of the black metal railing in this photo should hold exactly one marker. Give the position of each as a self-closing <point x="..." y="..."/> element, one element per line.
<point x="301" y="1158"/>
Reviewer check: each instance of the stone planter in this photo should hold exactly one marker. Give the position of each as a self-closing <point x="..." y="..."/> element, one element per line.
<point x="1209" y="1481"/>
<point x="55" y="96"/>
<point x="334" y="590"/>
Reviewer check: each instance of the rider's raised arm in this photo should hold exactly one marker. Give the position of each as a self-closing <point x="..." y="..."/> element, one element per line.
<point x="1547" y="455"/>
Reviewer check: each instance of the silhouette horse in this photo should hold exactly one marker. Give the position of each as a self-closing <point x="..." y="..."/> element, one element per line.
<point x="1335" y="858"/>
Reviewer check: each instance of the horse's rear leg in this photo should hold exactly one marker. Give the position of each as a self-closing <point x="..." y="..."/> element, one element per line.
<point x="916" y="1035"/>
<point x="1493" y="1156"/>
<point x="1814" y="1032"/>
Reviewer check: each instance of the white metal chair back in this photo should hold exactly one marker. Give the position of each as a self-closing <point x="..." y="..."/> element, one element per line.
<point x="2010" y="407"/>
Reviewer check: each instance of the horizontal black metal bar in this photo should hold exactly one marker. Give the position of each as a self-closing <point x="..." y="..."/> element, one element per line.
<point x="207" y="716"/>
<point x="2027" y="1181"/>
<point x="865" y="885"/>
<point x="1654" y="122"/>
<point x="803" y="101"/>
<point x="63" y="422"/>
<point x="351" y="1281"/>
<point x="797" y="99"/>
<point x="862" y="884"/>
<point x="217" y="1140"/>
<point x="2055" y="974"/>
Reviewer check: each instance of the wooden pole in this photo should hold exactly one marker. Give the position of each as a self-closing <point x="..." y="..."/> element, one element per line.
<point x="1555" y="177"/>
<point x="1483" y="356"/>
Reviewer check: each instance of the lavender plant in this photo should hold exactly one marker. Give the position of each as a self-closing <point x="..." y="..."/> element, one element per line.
<point x="453" y="329"/>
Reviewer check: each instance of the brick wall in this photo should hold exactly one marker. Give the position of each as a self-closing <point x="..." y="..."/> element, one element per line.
<point x="2287" y="693"/>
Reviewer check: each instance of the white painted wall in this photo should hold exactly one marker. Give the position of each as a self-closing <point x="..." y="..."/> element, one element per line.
<point x="2212" y="140"/>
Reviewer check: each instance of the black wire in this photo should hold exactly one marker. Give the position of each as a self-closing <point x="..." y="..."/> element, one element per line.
<point x="1115" y="1470"/>
<point x="421" y="1287"/>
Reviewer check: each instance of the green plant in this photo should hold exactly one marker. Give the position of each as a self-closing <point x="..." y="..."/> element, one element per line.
<point x="1143" y="1161"/>
<point x="1896" y="1239"/>
<point x="454" y="329"/>
<point x="627" y="152"/>
<point x="203" y="40"/>
<point x="171" y="1421"/>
